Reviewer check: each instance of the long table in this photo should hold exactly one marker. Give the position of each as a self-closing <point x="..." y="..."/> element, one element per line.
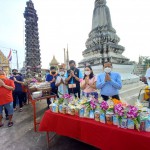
<point x="102" y="136"/>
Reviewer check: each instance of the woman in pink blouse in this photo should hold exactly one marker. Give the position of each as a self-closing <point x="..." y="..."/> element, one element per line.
<point x="88" y="84"/>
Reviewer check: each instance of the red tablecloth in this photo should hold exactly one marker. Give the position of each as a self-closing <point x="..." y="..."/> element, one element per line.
<point x="103" y="136"/>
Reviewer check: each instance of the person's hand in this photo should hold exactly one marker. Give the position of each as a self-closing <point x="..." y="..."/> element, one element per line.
<point x="72" y="73"/>
<point x="86" y="80"/>
<point x="15" y="79"/>
<point x="1" y="83"/>
<point x="107" y="77"/>
<point x="53" y="80"/>
<point x="62" y="81"/>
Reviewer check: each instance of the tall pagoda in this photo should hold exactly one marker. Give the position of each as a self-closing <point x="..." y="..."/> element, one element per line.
<point x="33" y="55"/>
<point x="102" y="44"/>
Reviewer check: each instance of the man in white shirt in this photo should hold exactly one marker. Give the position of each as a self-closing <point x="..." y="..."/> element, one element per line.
<point x="60" y="83"/>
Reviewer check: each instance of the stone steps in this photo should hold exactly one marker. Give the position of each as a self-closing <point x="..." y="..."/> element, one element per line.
<point x="130" y="93"/>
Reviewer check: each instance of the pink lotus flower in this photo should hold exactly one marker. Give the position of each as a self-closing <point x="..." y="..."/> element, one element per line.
<point x="132" y="112"/>
<point x="119" y="110"/>
<point x="104" y="105"/>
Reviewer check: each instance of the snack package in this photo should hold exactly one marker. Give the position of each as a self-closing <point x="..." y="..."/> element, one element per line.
<point x="91" y="114"/>
<point x="54" y="108"/>
<point x="147" y="125"/>
<point x="123" y="123"/>
<point x="102" y="118"/>
<point x="115" y="120"/>
<point x="109" y="119"/>
<point x="97" y="116"/>
<point x="81" y="112"/>
<point x="76" y="111"/>
<point x="142" y="125"/>
<point x="64" y="109"/>
<point x="130" y="124"/>
<point x="60" y="108"/>
<point x="72" y="111"/>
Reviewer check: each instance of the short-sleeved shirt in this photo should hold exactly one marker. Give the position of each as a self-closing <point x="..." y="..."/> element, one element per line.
<point x="80" y="76"/>
<point x="5" y="94"/>
<point x="62" y="88"/>
<point x="88" y="88"/>
<point x="49" y="78"/>
<point x="18" y="86"/>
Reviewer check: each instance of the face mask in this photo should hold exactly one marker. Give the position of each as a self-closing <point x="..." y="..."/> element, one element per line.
<point x="72" y="67"/>
<point x="87" y="73"/>
<point x="61" y="73"/>
<point x="14" y="73"/>
<point x="53" y="73"/>
<point x="107" y="69"/>
<point x="2" y="77"/>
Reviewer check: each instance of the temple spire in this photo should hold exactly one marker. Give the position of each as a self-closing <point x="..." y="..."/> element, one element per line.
<point x="102" y="44"/>
<point x="101" y="16"/>
<point x="33" y="55"/>
<point x="67" y="61"/>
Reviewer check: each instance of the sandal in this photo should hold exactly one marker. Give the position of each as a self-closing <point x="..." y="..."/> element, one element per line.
<point x="1" y="125"/>
<point x="10" y="124"/>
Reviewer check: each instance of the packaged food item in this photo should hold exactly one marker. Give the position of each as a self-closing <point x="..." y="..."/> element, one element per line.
<point x="142" y="125"/>
<point x="147" y="125"/>
<point x="86" y="113"/>
<point x="102" y="118"/>
<point x="72" y="111"/>
<point x="76" y="111"/>
<point x="97" y="116"/>
<point x="54" y="107"/>
<point x="123" y="123"/>
<point x="81" y="112"/>
<point x="130" y="124"/>
<point x="60" y="108"/>
<point x="115" y="120"/>
<point x="109" y="118"/>
<point x="91" y="114"/>
<point x="64" y="109"/>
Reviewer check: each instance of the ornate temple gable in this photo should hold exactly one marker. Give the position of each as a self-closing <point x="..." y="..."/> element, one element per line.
<point x="4" y="63"/>
<point x="103" y="40"/>
<point x="3" y="59"/>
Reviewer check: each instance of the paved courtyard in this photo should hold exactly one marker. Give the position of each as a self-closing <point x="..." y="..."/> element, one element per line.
<point x="22" y="136"/>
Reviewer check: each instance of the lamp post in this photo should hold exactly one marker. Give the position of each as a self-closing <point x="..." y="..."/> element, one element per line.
<point x="16" y="57"/>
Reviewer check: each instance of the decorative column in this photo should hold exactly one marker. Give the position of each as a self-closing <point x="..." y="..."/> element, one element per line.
<point x="33" y="55"/>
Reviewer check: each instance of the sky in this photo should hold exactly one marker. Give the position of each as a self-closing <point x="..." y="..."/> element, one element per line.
<point x="63" y="22"/>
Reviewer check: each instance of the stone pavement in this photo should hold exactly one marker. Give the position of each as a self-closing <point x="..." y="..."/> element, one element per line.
<point x="22" y="136"/>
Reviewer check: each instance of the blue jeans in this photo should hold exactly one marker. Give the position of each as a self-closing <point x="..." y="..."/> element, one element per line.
<point x="9" y="108"/>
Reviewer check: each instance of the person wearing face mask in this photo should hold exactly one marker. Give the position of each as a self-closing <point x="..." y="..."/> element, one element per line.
<point x="17" y="93"/>
<point x="6" y="98"/>
<point x="109" y="82"/>
<point x="73" y="76"/>
<point x="61" y="83"/>
<point x="51" y="78"/>
<point x="88" y="84"/>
